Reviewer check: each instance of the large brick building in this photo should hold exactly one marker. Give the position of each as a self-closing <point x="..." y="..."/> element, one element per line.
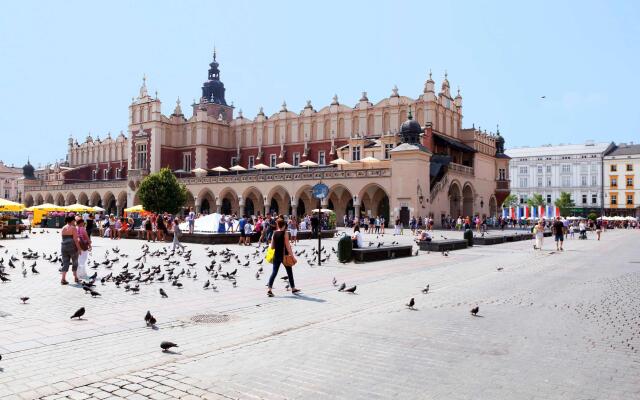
<point x="418" y="160"/>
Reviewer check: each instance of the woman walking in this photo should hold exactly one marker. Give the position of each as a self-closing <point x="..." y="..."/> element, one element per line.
<point x="85" y="247"/>
<point x="293" y="229"/>
<point x="69" y="249"/>
<point x="538" y="231"/>
<point x="176" y="234"/>
<point x="281" y="246"/>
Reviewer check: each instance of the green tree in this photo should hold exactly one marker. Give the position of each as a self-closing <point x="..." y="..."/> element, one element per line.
<point x="564" y="203"/>
<point x="535" y="200"/>
<point x="161" y="191"/>
<point x="592" y="216"/>
<point x="510" y="201"/>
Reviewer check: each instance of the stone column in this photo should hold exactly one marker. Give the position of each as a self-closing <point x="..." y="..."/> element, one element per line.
<point x="266" y="209"/>
<point x="294" y="210"/>
<point x="240" y="206"/>
<point x="196" y="204"/>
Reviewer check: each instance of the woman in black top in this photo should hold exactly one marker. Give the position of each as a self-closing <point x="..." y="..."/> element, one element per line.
<point x="280" y="244"/>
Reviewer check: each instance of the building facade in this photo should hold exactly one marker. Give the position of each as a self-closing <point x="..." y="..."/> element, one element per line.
<point x="406" y="156"/>
<point x="622" y="177"/>
<point x="550" y="170"/>
<point x="10" y="182"/>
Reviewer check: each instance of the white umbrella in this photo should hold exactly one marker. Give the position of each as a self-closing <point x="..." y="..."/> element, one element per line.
<point x="220" y="169"/>
<point x="261" y="166"/>
<point x="199" y="171"/>
<point x="308" y="163"/>
<point x="238" y="168"/>
<point x="98" y="209"/>
<point x="340" y="161"/>
<point x="284" y="165"/>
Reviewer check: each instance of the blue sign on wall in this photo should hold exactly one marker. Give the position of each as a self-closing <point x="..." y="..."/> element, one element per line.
<point x="320" y="191"/>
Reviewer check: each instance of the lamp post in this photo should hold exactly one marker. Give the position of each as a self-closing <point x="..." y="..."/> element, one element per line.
<point x="320" y="191"/>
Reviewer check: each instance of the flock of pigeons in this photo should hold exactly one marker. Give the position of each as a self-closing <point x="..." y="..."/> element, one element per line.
<point x="164" y="265"/>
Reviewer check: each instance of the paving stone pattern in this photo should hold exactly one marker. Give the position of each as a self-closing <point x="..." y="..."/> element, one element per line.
<point x="552" y="325"/>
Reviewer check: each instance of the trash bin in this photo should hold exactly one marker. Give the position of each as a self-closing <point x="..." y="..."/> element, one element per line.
<point x="345" y="245"/>
<point x="468" y="236"/>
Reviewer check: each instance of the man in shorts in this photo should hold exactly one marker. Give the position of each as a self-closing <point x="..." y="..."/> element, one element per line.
<point x="241" y="224"/>
<point x="558" y="233"/>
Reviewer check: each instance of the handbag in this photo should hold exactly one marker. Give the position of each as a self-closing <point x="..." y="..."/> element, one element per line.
<point x="84" y="245"/>
<point x="269" y="256"/>
<point x="289" y="261"/>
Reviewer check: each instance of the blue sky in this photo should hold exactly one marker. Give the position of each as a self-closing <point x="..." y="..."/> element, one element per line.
<point x="72" y="67"/>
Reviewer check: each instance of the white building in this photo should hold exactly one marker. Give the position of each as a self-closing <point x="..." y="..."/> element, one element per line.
<point x="10" y="187"/>
<point x="549" y="170"/>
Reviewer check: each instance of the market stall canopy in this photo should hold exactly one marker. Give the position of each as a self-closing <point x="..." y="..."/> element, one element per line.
<point x="46" y="207"/>
<point x="284" y="165"/>
<point x="308" y="163"/>
<point x="238" y="168"/>
<point x="135" y="209"/>
<point x="199" y="171"/>
<point x="370" y="160"/>
<point x="79" y="208"/>
<point x="10" y="206"/>
<point x="220" y="169"/>
<point x="98" y="209"/>
<point x="261" y="166"/>
<point x="322" y="210"/>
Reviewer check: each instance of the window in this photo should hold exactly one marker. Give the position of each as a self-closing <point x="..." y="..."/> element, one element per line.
<point x="614" y="199"/>
<point x="272" y="160"/>
<point x="387" y="150"/>
<point x="322" y="159"/>
<point x="539" y="169"/>
<point x="583" y="180"/>
<point x="105" y="174"/>
<point x="629" y="181"/>
<point x="613" y="181"/>
<point x="186" y="162"/>
<point x="549" y="182"/>
<point x="548" y="169"/>
<point x="234" y="161"/>
<point x="566" y="181"/>
<point x="94" y="174"/>
<point x="524" y="182"/>
<point x="584" y="199"/>
<point x="252" y="161"/>
<point x="629" y="199"/>
<point x="548" y="199"/>
<point x="296" y="159"/>
<point x="118" y="173"/>
<point x="629" y="167"/>
<point x="594" y="199"/>
<point x="539" y="181"/>
<point x="502" y="174"/>
<point x="566" y="157"/>
<point x="141" y="156"/>
<point x="566" y="168"/>
<point x="521" y="200"/>
<point x="355" y="153"/>
<point x="524" y="170"/>
<point x="594" y="180"/>
<point x="614" y="168"/>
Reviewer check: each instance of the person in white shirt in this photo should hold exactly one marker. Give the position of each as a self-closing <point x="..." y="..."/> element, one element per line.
<point x="358" y="240"/>
<point x="248" y="230"/>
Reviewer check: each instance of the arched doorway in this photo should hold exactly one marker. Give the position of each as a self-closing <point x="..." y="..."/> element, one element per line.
<point x="455" y="197"/>
<point x="467" y="200"/>
<point x="83" y="199"/>
<point x="71" y="199"/>
<point x="60" y="199"/>
<point x="374" y="201"/>
<point x="95" y="199"/>
<point x="207" y="201"/>
<point x="249" y="207"/>
<point x="28" y="200"/>
<point x="253" y="201"/>
<point x="109" y="204"/>
<point x="228" y="201"/>
<point x="280" y="201"/>
<point x="39" y="199"/>
<point x="48" y="198"/>
<point x="301" y="210"/>
<point x="226" y="208"/>
<point x="341" y="201"/>
<point x="205" y="207"/>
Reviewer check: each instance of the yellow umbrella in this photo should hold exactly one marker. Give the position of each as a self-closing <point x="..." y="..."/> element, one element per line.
<point x="46" y="207"/>
<point x="78" y="208"/>
<point x="137" y="209"/>
<point x="6" y="205"/>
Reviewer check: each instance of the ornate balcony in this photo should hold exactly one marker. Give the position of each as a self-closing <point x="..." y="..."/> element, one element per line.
<point x="502" y="185"/>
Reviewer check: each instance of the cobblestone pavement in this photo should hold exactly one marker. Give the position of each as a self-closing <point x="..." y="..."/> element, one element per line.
<point x="552" y="325"/>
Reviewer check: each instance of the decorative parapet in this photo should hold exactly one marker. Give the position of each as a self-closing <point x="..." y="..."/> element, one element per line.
<point x="461" y="169"/>
<point x="288" y="176"/>
<point x="120" y="183"/>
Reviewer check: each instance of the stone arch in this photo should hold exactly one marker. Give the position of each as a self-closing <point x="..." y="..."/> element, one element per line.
<point x="83" y="199"/>
<point x="109" y="203"/>
<point x="121" y="202"/>
<point x="59" y="199"/>
<point x="304" y="200"/>
<point x="455" y="199"/>
<point x="71" y="199"/>
<point x="227" y="201"/>
<point x="374" y="201"/>
<point x="279" y="201"/>
<point x="467" y="200"/>
<point x="493" y="207"/>
<point x="340" y="200"/>
<point x="48" y="198"/>
<point x="206" y="200"/>
<point x="28" y="200"/>
<point x="253" y="201"/>
<point x="39" y="199"/>
<point x="95" y="199"/>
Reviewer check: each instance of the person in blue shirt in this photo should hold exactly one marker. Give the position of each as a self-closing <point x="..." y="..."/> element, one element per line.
<point x="241" y="224"/>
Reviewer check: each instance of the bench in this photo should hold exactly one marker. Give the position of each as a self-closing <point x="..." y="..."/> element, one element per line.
<point x="443" y="245"/>
<point x="488" y="240"/>
<point x="366" y="254"/>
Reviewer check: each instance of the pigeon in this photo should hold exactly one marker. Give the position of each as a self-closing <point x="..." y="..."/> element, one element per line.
<point x="152" y="321"/>
<point x="147" y="316"/>
<point x="78" y="314"/>
<point x="500" y="268"/>
<point x="206" y="284"/>
<point x="258" y="275"/>
<point x="165" y="346"/>
<point x="3" y="279"/>
<point x="24" y="299"/>
<point x="426" y="289"/>
<point x="335" y="281"/>
<point x="342" y="287"/>
<point x="411" y="303"/>
<point x="94" y="293"/>
<point x="351" y="289"/>
<point x="163" y="293"/>
<point x="474" y="310"/>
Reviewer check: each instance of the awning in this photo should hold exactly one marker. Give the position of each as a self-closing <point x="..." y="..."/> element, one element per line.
<point x="454" y="143"/>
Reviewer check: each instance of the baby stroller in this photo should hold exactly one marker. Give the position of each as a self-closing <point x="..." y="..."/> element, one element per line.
<point x="583" y="234"/>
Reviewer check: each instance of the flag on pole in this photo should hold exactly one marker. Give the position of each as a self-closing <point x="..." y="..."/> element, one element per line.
<point x="534" y="212"/>
<point x="505" y="212"/>
<point x="541" y="211"/>
<point x="556" y="211"/>
<point x="526" y="212"/>
<point x="512" y="213"/>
